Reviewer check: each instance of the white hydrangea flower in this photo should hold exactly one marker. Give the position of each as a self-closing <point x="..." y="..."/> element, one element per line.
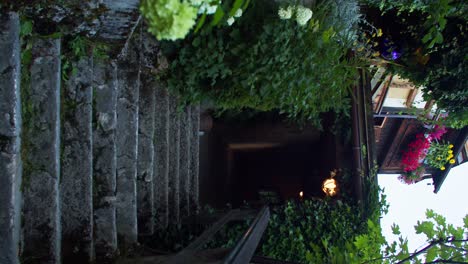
<point x="203" y="7"/>
<point x="196" y="2"/>
<point x="285" y="13"/>
<point x="303" y="15"/>
<point x="211" y="9"/>
<point x="230" y="21"/>
<point x="206" y="6"/>
<point x="238" y="13"/>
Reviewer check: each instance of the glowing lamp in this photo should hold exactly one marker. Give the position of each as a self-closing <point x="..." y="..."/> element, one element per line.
<point x="330" y="187"/>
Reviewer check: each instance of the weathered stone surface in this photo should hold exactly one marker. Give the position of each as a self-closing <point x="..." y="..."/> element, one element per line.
<point x="118" y="19"/>
<point x="194" y="159"/>
<point x="76" y="185"/>
<point x="149" y="51"/>
<point x="174" y="161"/>
<point x="128" y="73"/>
<point x="161" y="157"/>
<point x="104" y="160"/>
<point x="41" y="228"/>
<point x="184" y="169"/>
<point x="145" y="193"/>
<point x="10" y="130"/>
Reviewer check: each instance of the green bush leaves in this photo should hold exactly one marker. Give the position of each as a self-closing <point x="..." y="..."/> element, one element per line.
<point x="265" y="63"/>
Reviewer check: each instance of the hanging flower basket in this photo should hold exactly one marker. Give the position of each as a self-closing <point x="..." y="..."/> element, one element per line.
<point x="425" y="148"/>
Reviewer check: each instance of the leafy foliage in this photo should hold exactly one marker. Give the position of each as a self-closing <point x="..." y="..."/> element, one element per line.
<point x="433" y="52"/>
<point x="445" y="244"/>
<point x="265" y="63"/>
<point x="439" y="154"/>
<point x="306" y="232"/>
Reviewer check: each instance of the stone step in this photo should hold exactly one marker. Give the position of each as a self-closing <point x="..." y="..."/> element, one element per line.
<point x="117" y="19"/>
<point x="76" y="184"/>
<point x="184" y="167"/>
<point x="145" y="193"/>
<point x="161" y="157"/>
<point x="194" y="159"/>
<point x="174" y="161"/>
<point x="41" y="171"/>
<point x="128" y="74"/>
<point x="146" y="129"/>
<point x="10" y="143"/>
<point x="104" y="159"/>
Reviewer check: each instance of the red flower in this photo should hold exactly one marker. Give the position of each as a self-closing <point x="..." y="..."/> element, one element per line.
<point x="416" y="152"/>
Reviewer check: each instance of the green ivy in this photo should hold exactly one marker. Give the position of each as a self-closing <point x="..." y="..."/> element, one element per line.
<point x="265" y="63"/>
<point x="304" y="232"/>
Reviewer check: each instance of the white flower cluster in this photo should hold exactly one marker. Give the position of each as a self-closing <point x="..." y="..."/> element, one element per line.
<point x="231" y="20"/>
<point x="285" y="13"/>
<point x="206" y="6"/>
<point x="302" y="14"/>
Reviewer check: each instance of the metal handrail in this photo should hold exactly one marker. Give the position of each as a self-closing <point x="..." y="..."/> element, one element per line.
<point x="245" y="248"/>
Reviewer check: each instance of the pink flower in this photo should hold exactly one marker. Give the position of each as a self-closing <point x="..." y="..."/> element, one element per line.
<point x="437" y="133"/>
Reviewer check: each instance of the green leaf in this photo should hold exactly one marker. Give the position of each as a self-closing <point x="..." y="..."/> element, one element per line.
<point x="442" y="23"/>
<point x="237" y="4"/>
<point x="426" y="228"/>
<point x="430" y="213"/>
<point x="196" y="42"/>
<point x="26" y="57"/>
<point x="26" y="28"/>
<point x="246" y="4"/>
<point x="200" y="23"/>
<point x="328" y="34"/>
<point x="431" y="254"/>
<point x="396" y="229"/>
<point x="55" y="35"/>
<point x="439" y="38"/>
<point x="426" y="37"/>
<point x="217" y="16"/>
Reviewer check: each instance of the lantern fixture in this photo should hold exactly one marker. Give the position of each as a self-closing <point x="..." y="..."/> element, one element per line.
<point x="330" y="186"/>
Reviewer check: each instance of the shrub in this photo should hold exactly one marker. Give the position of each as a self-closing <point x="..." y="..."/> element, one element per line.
<point x="304" y="232"/>
<point x="265" y="63"/>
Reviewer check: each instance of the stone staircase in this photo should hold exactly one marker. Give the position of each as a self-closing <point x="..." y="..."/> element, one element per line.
<point x="90" y="164"/>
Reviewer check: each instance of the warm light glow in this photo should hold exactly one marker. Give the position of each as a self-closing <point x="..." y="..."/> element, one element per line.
<point x="329" y="187"/>
<point x="301" y="194"/>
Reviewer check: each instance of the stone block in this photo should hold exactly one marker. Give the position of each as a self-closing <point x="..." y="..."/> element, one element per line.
<point x="161" y="157"/>
<point x="145" y="166"/>
<point x="104" y="160"/>
<point x="184" y="166"/>
<point x="10" y="141"/>
<point x="127" y="147"/>
<point x="41" y="211"/>
<point x="174" y="161"/>
<point x="76" y="185"/>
